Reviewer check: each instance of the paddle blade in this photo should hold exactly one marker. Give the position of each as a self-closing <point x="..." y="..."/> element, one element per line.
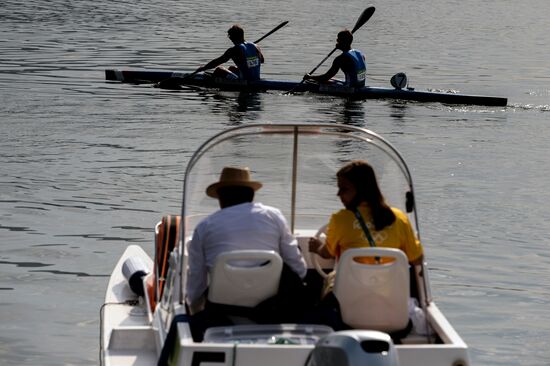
<point x="365" y="16"/>
<point x="279" y="26"/>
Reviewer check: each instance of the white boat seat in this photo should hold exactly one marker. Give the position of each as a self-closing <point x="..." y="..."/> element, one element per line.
<point x="373" y="296"/>
<point x="245" y="277"/>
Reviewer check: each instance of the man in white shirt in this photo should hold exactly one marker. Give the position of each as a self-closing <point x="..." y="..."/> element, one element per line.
<point x="239" y="224"/>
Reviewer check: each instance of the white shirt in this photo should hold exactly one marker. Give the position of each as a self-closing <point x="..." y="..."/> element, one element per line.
<point x="244" y="226"/>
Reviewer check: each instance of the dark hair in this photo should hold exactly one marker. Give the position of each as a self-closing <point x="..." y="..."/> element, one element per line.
<point x="361" y="175"/>
<point x="345" y="37"/>
<point x="234" y="195"/>
<point x="236" y="32"/>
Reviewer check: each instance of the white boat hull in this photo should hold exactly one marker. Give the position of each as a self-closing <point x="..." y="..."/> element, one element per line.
<point x="140" y="330"/>
<point x="131" y="338"/>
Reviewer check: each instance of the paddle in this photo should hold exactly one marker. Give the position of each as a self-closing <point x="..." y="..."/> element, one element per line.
<point x="363" y="18"/>
<point x="175" y="82"/>
<point x="272" y="31"/>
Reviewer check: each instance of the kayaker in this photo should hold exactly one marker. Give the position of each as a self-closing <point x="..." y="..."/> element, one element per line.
<point x="246" y="55"/>
<point x="350" y="61"/>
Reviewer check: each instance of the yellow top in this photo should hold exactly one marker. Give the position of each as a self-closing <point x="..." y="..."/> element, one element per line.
<point x="344" y="232"/>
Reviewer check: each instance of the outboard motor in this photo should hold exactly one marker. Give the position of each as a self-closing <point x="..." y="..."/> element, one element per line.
<point x="354" y="348"/>
<point x="134" y="269"/>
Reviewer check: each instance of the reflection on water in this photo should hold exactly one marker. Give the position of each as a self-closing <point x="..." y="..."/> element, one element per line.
<point x="237" y="106"/>
<point x="249" y="102"/>
<point x="352" y="112"/>
<point x="247" y="108"/>
<point x="398" y="111"/>
<point x="341" y="110"/>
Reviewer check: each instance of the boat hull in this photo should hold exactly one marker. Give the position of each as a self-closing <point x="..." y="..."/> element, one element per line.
<point x="367" y="92"/>
<point x="132" y="335"/>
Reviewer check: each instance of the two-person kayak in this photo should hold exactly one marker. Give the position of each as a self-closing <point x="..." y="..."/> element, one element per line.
<point x="179" y="79"/>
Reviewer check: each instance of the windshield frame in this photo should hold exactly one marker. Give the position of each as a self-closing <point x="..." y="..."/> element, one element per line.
<point x="295" y="132"/>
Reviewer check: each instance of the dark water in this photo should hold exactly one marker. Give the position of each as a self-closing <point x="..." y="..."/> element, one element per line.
<point x="89" y="166"/>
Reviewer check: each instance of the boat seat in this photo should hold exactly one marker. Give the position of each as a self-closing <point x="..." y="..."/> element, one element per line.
<point x="373" y="295"/>
<point x="245" y="277"/>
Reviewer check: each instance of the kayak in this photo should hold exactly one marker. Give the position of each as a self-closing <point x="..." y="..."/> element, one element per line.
<point x="178" y="79"/>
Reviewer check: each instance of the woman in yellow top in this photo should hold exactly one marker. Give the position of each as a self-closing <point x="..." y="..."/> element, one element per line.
<point x="388" y="227"/>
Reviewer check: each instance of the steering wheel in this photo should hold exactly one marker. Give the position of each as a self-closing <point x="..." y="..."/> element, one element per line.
<point x="321" y="235"/>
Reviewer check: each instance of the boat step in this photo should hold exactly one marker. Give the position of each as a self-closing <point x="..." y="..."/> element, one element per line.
<point x="134" y="337"/>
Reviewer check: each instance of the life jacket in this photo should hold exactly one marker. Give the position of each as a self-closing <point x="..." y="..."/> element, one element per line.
<point x="356" y="77"/>
<point x="250" y="67"/>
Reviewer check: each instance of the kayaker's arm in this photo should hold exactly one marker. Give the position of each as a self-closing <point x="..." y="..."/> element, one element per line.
<point x="316" y="246"/>
<point x="216" y="62"/>
<point x="327" y="75"/>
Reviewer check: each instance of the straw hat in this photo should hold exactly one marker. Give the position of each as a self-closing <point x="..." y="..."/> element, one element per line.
<point x="233" y="177"/>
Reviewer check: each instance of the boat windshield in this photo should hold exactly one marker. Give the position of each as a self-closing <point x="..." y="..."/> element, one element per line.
<point x="297" y="165"/>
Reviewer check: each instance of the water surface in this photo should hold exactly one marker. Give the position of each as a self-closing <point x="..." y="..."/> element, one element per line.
<point x="89" y="167"/>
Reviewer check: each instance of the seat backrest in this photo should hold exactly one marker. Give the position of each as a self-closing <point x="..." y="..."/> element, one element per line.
<point x="373" y="296"/>
<point x="245" y="277"/>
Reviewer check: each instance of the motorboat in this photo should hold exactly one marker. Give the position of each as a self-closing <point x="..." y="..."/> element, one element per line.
<point x="145" y="319"/>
